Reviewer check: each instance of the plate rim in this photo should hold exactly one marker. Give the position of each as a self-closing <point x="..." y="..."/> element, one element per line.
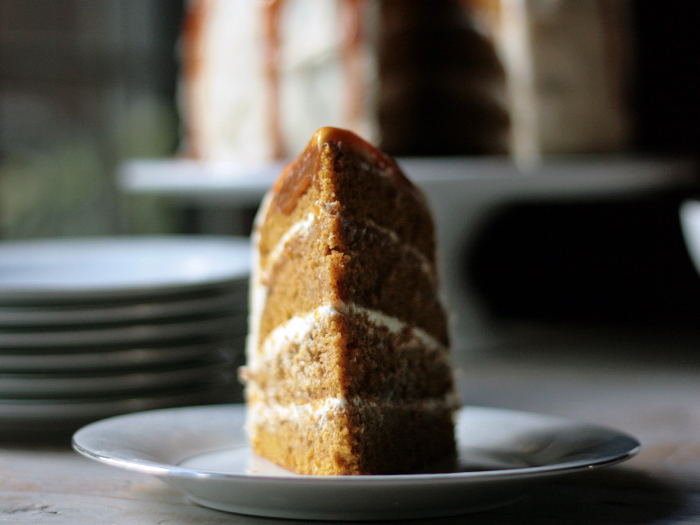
<point x="71" y="292"/>
<point x="125" y="334"/>
<point x="336" y="498"/>
<point x="66" y="360"/>
<point x="67" y="410"/>
<point x="229" y="300"/>
<point x="164" y="470"/>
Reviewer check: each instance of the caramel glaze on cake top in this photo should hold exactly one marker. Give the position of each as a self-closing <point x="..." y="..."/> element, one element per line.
<point x="299" y="174"/>
<point x="395" y="202"/>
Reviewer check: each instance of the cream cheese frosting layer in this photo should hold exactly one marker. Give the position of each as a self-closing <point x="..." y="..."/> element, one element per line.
<point x="262" y="412"/>
<point x="426" y="265"/>
<point x="257" y="292"/>
<point x="298" y="228"/>
<point x="302" y="227"/>
<point x="320" y="412"/>
<point x="298" y="328"/>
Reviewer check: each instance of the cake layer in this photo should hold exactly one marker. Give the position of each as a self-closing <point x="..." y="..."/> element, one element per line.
<point x="304" y="277"/>
<point x="341" y="438"/>
<point x="310" y="369"/>
<point x="301" y="229"/>
<point x="368" y="268"/>
<point x="381" y="358"/>
<point x="337" y="175"/>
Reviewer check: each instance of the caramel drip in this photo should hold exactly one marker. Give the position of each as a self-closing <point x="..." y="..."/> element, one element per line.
<point x="193" y="27"/>
<point x="353" y="35"/>
<point x="191" y="34"/>
<point x="296" y="178"/>
<point x="298" y="175"/>
<point x="272" y="50"/>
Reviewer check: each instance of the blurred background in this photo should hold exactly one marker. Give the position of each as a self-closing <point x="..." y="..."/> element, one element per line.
<point x="83" y="85"/>
<point x="87" y="85"/>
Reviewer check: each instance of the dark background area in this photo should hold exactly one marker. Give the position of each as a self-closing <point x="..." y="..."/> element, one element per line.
<point x="667" y="83"/>
<point x="616" y="260"/>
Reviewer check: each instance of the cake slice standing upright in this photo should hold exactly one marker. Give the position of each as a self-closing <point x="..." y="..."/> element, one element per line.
<point x="348" y="368"/>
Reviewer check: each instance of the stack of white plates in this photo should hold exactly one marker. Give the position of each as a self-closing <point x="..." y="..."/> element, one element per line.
<point x="95" y="327"/>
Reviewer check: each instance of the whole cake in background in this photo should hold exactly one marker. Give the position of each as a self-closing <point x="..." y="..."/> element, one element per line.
<point x="348" y="365"/>
<point x="413" y="76"/>
<point x="416" y="77"/>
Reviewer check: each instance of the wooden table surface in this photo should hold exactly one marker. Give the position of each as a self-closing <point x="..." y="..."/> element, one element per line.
<point x="646" y="384"/>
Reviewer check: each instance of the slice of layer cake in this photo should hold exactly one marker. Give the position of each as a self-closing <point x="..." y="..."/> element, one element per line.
<point x="348" y="365"/>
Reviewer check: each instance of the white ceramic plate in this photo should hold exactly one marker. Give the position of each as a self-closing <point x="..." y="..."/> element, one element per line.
<point x="124" y="335"/>
<point x="690" y="226"/>
<point x="203" y="451"/>
<point x="109" y="359"/>
<point x="73" y="269"/>
<point x="231" y="301"/>
<point x="38" y="418"/>
<point x="49" y="386"/>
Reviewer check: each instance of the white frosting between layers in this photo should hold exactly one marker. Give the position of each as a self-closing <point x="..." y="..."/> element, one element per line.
<point x="257" y="292"/>
<point x="426" y="265"/>
<point x="318" y="411"/>
<point x="304" y="226"/>
<point x="299" y="327"/>
<point x="260" y="413"/>
<point x="293" y="331"/>
<point x="396" y="326"/>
